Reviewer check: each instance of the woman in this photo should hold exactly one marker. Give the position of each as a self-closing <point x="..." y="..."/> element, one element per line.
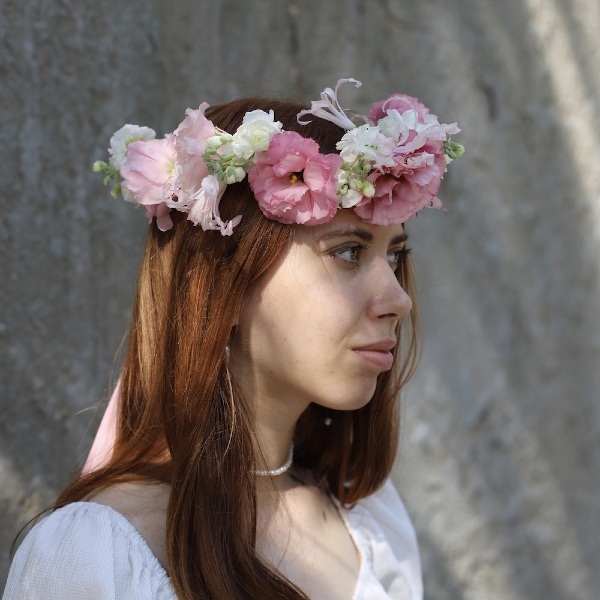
<point x="256" y="420"/>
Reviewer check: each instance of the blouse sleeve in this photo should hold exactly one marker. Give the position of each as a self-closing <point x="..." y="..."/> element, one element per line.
<point x="86" y="551"/>
<point x="386" y="537"/>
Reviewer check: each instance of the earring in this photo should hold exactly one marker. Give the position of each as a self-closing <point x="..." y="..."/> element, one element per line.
<point x="232" y="334"/>
<point x="327" y="419"/>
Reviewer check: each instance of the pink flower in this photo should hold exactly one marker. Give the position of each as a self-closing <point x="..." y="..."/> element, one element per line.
<point x="192" y="132"/>
<point x="400" y="102"/>
<point x="403" y="191"/>
<point x="161" y="212"/>
<point x="413" y="181"/>
<point x="148" y="169"/>
<point x="204" y="210"/>
<point x="190" y="142"/>
<point x="293" y="182"/>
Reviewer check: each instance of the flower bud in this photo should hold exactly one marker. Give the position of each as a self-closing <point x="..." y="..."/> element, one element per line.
<point x="234" y="174"/>
<point x="368" y="189"/>
<point x="453" y="150"/>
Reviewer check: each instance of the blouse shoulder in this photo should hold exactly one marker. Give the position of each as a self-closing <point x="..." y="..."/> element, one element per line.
<point x="386" y="539"/>
<point x="386" y="508"/>
<point x="86" y="551"/>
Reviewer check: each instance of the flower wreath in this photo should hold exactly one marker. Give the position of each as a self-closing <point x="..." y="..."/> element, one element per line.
<point x="388" y="168"/>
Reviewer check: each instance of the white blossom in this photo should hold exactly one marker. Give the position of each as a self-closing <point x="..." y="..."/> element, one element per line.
<point x="255" y="134"/>
<point x="351" y="187"/>
<point x="122" y="138"/>
<point x="369" y="144"/>
<point x="329" y="109"/>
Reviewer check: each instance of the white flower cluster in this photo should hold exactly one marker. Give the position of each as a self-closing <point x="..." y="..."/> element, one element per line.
<point x="363" y="149"/>
<point x="230" y="156"/>
<point x="370" y="149"/>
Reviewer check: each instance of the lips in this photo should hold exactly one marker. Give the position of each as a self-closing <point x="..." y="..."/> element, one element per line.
<point x="378" y="354"/>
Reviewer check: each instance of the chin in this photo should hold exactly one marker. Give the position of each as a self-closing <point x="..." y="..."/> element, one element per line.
<point x="351" y="401"/>
<point x="360" y="403"/>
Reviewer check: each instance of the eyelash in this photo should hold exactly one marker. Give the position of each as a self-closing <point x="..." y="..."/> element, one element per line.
<point x="400" y="255"/>
<point x="336" y="254"/>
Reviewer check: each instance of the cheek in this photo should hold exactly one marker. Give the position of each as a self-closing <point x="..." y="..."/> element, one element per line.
<point x="323" y="323"/>
<point x="301" y="309"/>
<point x="266" y="325"/>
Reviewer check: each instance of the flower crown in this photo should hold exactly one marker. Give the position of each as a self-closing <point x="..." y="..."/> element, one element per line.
<point x="388" y="168"/>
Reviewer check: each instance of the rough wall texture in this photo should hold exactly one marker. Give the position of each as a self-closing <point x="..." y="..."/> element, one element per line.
<point x="500" y="454"/>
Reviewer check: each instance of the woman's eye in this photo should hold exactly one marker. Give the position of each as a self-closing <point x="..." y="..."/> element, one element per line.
<point x="348" y="254"/>
<point x="396" y="257"/>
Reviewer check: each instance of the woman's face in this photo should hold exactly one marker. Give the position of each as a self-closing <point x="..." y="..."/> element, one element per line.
<point x="320" y="324"/>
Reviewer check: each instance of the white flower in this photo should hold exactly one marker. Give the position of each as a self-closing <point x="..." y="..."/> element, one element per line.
<point x="393" y="126"/>
<point x="367" y="142"/>
<point x="234" y="174"/>
<point x="399" y="125"/>
<point x="347" y="194"/>
<point x="255" y="134"/>
<point x="328" y="107"/>
<point x="205" y="209"/>
<point x="218" y="145"/>
<point x="351" y="188"/>
<point x="122" y="138"/>
<point x="221" y="160"/>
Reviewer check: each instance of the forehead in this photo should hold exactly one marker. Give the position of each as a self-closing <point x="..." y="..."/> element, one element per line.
<point x="345" y="222"/>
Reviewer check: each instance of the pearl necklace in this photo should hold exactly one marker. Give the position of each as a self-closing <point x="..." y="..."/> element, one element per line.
<point x="279" y="470"/>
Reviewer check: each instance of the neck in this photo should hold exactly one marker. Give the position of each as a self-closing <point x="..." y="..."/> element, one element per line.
<point x="274" y="437"/>
<point x="276" y="416"/>
<point x="275" y="427"/>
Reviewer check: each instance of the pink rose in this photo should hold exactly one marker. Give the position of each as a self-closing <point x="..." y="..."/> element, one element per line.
<point x="404" y="191"/>
<point x="293" y="182"/>
<point x="148" y="169"/>
<point x="402" y="103"/>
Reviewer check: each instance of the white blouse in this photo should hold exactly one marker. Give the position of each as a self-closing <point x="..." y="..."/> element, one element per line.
<point x="89" y="551"/>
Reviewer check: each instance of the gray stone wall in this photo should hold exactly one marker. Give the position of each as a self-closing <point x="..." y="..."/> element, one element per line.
<point x="500" y="455"/>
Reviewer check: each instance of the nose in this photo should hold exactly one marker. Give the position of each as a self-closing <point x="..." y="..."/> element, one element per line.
<point x="390" y="300"/>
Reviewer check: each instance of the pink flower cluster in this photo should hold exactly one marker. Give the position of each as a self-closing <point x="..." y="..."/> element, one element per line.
<point x="413" y="181"/>
<point x="388" y="168"/>
<point x="170" y="173"/>
<point x="403" y="150"/>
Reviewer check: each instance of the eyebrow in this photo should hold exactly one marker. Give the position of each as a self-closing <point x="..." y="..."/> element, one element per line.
<point x="360" y="233"/>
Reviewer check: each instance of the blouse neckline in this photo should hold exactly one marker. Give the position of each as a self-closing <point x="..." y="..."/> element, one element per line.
<point x="153" y="562"/>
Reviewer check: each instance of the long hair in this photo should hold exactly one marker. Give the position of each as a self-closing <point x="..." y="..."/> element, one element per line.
<point x="182" y="420"/>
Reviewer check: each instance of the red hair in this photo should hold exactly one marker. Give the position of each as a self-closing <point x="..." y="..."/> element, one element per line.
<point x="181" y="419"/>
